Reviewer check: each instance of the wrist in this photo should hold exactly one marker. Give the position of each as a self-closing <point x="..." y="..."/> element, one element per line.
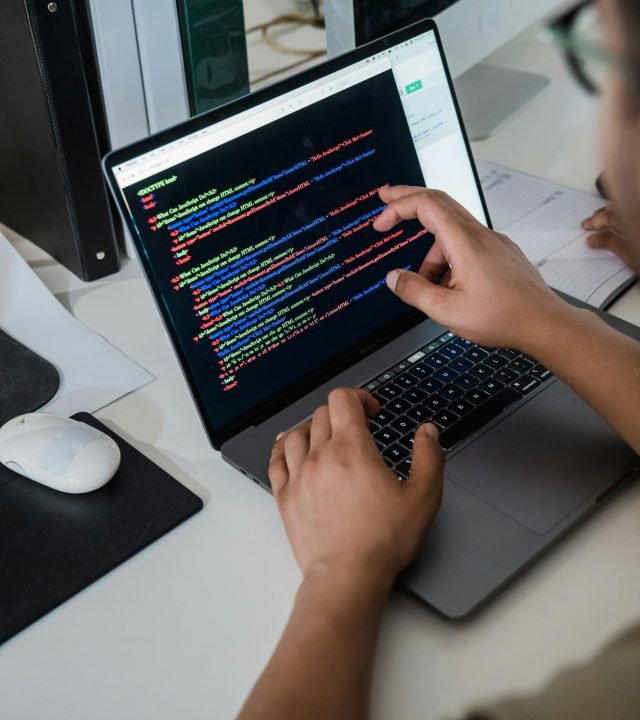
<point x="347" y="587"/>
<point x="546" y="327"/>
<point x="553" y="328"/>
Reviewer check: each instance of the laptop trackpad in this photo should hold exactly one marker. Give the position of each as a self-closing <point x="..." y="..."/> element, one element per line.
<point x="544" y="460"/>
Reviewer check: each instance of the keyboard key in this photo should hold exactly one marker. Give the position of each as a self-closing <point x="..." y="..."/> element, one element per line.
<point x="372" y="385"/>
<point x="407" y="441"/>
<point x="508" y="353"/>
<point x="403" y="425"/>
<point x="445" y="375"/>
<point x="386" y="436"/>
<point x="466" y="382"/>
<point x="506" y="376"/>
<point x="389" y="392"/>
<point x="395" y="454"/>
<point x="401" y="367"/>
<point x="404" y="468"/>
<point x="491" y="386"/>
<point x="520" y="365"/>
<point x="461" y="407"/>
<point x="415" y="396"/>
<point x="445" y="418"/>
<point x="540" y="372"/>
<point x="381" y="399"/>
<point x="384" y="417"/>
<point x="496" y="361"/>
<point x="451" y="351"/>
<point x="399" y="407"/>
<point x="461" y="365"/>
<point x="435" y="403"/>
<point x="525" y="384"/>
<point x="430" y="386"/>
<point x="477" y="397"/>
<point x="420" y="414"/>
<point x="479" y="417"/>
<point x="420" y="371"/>
<point x="405" y="381"/>
<point x="462" y="343"/>
<point x="482" y="372"/>
<point x="431" y="347"/>
<point x="475" y="354"/>
<point x="436" y="361"/>
<point x="385" y="377"/>
<point x="451" y="392"/>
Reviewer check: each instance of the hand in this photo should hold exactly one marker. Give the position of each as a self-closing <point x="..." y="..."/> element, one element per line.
<point x="608" y="235"/>
<point x="342" y="507"/>
<point x="492" y="294"/>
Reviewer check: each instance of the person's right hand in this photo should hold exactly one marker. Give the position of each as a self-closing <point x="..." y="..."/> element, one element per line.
<point x="609" y="235"/>
<point x="492" y="296"/>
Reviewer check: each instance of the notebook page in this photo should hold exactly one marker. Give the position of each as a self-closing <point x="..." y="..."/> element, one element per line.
<point x="543" y="218"/>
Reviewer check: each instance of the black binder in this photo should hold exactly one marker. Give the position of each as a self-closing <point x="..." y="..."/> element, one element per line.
<point x="52" y="135"/>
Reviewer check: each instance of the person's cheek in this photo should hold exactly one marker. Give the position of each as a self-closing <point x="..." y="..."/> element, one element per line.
<point x="608" y="132"/>
<point x="620" y="128"/>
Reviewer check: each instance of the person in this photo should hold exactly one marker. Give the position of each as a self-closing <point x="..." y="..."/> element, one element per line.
<point x="353" y="527"/>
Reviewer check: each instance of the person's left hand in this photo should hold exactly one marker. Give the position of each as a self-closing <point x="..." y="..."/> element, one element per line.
<point x="608" y="234"/>
<point x="342" y="507"/>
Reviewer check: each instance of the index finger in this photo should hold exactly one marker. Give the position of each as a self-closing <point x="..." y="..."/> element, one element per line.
<point x="349" y="409"/>
<point x="432" y="212"/>
<point x="389" y="193"/>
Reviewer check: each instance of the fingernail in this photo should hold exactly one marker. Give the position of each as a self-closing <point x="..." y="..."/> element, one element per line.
<point x="432" y="431"/>
<point x="279" y="436"/>
<point x="392" y="280"/>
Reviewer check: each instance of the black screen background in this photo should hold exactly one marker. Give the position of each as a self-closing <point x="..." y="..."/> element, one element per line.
<point x="373" y="104"/>
<point x="376" y="18"/>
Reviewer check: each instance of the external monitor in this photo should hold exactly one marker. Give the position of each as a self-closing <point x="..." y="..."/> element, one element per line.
<point x="471" y="30"/>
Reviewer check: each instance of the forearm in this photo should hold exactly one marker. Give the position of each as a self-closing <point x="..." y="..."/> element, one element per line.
<point x="323" y="663"/>
<point x="599" y="363"/>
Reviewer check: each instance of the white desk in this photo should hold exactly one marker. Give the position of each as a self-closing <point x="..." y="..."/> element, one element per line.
<point x="183" y="629"/>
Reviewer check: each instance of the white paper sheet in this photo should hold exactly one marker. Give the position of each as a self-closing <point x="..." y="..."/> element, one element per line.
<point x="544" y="220"/>
<point x="93" y="373"/>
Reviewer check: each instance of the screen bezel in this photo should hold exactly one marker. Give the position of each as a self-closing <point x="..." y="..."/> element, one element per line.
<point x="360" y="11"/>
<point x="281" y="399"/>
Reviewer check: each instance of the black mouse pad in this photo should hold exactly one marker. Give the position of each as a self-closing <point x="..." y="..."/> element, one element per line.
<point x="27" y="381"/>
<point x="53" y="544"/>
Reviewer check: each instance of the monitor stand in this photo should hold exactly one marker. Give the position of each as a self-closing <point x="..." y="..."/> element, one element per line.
<point x="491" y="96"/>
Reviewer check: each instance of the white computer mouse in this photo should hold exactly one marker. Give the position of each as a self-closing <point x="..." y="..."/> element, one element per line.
<point x="60" y="453"/>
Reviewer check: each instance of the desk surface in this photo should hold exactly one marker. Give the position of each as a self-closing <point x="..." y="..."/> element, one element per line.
<point x="185" y="627"/>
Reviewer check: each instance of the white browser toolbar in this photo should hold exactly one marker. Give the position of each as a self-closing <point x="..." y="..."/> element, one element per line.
<point x="190" y="146"/>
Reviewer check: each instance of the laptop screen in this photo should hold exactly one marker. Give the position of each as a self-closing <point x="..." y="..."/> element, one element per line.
<point x="255" y="228"/>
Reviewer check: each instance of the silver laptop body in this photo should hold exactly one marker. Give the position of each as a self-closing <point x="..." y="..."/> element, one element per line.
<point x="253" y="227"/>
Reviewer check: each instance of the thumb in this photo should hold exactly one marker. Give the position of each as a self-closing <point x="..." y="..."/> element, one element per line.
<point x="414" y="290"/>
<point x="609" y="240"/>
<point x="427" y="466"/>
<point x="600" y="240"/>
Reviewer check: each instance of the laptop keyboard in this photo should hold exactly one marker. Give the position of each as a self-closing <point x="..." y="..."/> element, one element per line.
<point x="455" y="384"/>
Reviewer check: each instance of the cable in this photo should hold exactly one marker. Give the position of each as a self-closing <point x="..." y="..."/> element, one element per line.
<point x="316" y="21"/>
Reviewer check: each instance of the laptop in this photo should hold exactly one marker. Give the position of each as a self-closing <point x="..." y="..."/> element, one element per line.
<point x="253" y="225"/>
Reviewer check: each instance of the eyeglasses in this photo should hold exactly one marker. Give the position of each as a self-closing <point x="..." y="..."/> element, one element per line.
<point x="579" y="34"/>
